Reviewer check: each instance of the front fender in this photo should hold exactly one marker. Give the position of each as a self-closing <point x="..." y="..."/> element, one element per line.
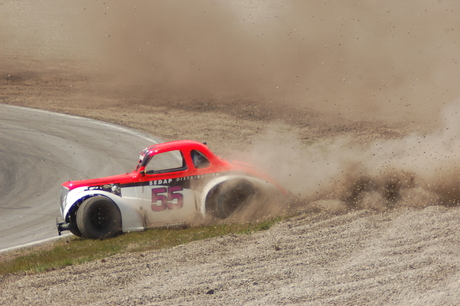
<point x="131" y="218"/>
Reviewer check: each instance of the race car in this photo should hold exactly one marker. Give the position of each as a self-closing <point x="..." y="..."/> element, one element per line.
<point x="174" y="182"/>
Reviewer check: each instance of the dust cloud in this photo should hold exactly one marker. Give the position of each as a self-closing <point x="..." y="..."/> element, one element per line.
<point x="396" y="60"/>
<point x="336" y="174"/>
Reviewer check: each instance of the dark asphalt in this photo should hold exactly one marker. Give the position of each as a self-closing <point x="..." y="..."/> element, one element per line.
<point x="38" y="151"/>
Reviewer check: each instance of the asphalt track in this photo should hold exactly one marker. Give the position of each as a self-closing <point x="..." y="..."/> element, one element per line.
<point x="38" y="151"/>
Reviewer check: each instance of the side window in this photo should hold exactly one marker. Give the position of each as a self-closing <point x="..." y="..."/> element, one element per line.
<point x="199" y="160"/>
<point x="166" y="162"/>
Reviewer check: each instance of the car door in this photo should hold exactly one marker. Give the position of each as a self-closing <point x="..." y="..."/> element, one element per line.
<point x="165" y="195"/>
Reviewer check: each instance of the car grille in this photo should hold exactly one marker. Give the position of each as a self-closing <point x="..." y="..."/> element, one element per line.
<point x="64" y="192"/>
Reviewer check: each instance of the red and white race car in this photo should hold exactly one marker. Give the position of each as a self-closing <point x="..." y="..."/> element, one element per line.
<point x="174" y="182"/>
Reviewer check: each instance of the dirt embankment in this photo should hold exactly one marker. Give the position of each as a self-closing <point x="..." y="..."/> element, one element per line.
<point x="400" y="257"/>
<point x="346" y="103"/>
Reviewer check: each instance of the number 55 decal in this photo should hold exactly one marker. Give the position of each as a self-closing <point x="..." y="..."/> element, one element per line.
<point x="167" y="198"/>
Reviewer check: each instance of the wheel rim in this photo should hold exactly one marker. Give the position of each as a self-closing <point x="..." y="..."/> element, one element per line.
<point x="101" y="218"/>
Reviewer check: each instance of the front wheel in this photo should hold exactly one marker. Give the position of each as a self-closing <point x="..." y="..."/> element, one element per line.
<point x="73" y="228"/>
<point x="99" y="218"/>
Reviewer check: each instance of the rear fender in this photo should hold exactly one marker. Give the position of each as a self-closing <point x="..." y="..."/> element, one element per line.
<point x="132" y="220"/>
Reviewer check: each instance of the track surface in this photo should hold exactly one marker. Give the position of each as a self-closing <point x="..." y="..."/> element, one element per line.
<point x="38" y="151"/>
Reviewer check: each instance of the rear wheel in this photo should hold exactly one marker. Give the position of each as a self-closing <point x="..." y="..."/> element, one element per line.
<point x="233" y="196"/>
<point x="98" y="218"/>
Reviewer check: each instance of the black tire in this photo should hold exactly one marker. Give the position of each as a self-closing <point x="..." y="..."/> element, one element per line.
<point x="232" y="196"/>
<point x="73" y="228"/>
<point x="99" y="218"/>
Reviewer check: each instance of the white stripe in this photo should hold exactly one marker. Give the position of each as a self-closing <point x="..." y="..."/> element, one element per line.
<point x="34" y="243"/>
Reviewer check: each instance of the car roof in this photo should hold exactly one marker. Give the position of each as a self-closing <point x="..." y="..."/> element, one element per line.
<point x="183" y="145"/>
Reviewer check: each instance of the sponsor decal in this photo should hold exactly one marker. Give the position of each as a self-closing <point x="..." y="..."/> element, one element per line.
<point x="182" y="179"/>
<point x="194" y="177"/>
<point x="160" y="182"/>
<point x="173" y="181"/>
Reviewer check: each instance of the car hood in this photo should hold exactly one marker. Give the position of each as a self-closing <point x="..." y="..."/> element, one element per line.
<point x="115" y="179"/>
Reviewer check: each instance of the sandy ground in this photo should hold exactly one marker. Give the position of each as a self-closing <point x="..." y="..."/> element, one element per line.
<point x="403" y="257"/>
<point x="357" y="118"/>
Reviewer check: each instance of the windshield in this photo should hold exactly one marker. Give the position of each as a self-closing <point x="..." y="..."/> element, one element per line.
<point x="141" y="157"/>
